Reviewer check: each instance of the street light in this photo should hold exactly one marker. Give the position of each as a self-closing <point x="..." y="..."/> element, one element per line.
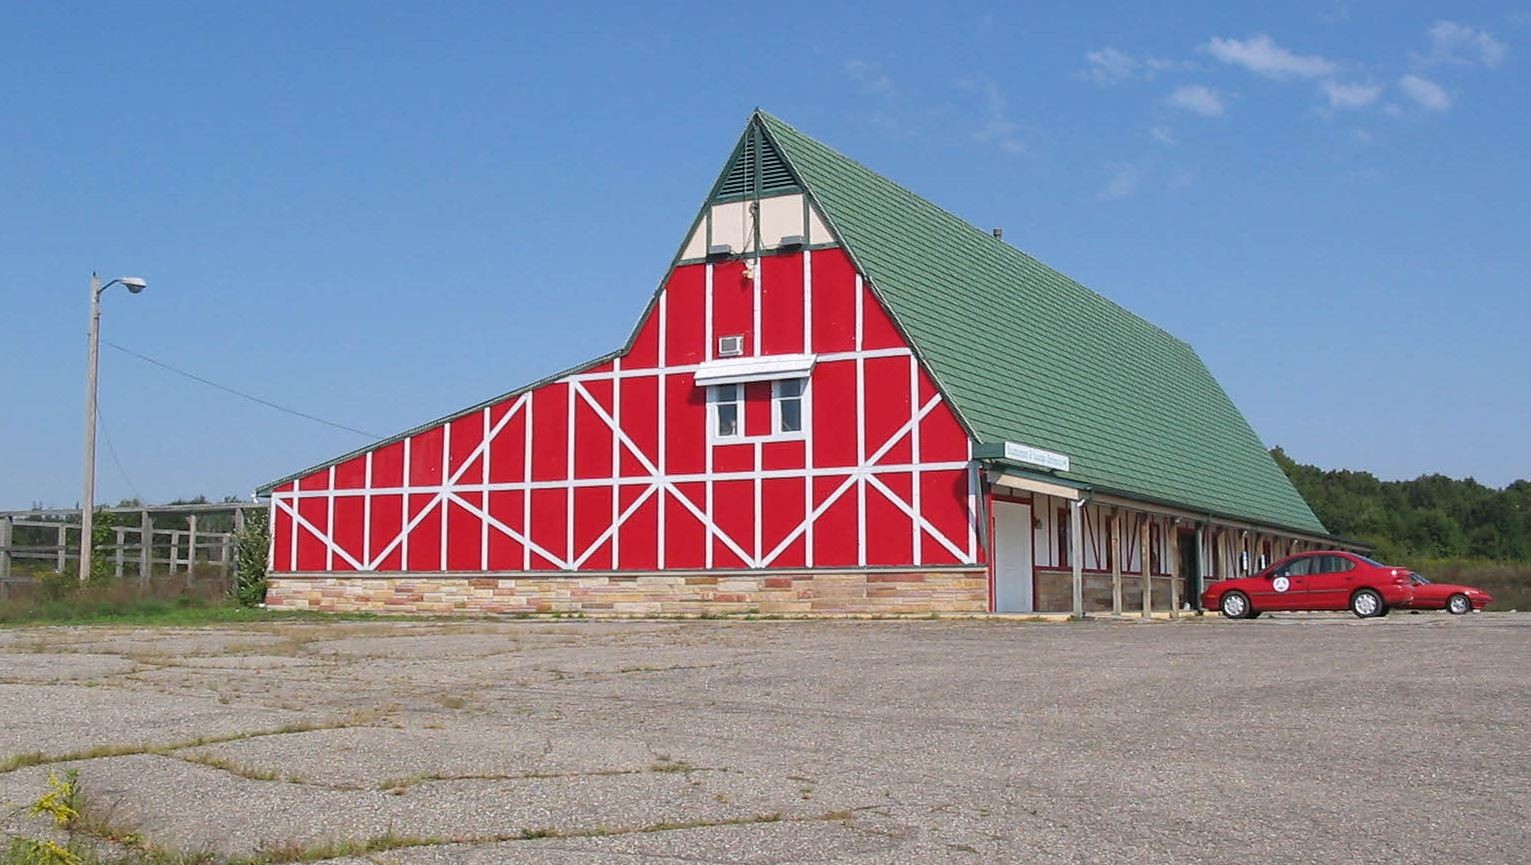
<point x="133" y="284"/>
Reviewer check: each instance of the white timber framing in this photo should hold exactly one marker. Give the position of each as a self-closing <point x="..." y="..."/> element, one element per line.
<point x="655" y="483"/>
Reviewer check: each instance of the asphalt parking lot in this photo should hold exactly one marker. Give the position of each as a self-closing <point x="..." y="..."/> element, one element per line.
<point x="1287" y="739"/>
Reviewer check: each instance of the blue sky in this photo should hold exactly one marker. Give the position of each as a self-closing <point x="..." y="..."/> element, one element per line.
<point x="380" y="214"/>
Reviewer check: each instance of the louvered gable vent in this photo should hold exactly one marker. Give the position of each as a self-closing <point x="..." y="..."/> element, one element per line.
<point x="756" y="157"/>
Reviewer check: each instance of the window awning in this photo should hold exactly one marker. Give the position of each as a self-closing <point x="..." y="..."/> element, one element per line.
<point x="738" y="370"/>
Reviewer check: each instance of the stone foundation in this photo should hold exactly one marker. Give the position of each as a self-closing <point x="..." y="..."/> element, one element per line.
<point x="865" y="592"/>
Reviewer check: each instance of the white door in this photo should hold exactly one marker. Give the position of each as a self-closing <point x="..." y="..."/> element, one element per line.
<point x="1012" y="558"/>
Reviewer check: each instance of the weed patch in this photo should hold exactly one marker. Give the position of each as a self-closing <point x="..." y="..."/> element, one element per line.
<point x="39" y="758"/>
<point x="79" y="823"/>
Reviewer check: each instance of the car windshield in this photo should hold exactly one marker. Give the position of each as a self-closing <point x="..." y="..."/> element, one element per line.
<point x="1418" y="580"/>
<point x="1373" y="562"/>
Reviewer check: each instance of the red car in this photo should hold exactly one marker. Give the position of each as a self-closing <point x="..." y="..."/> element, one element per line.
<point x="1454" y="598"/>
<point x="1335" y="580"/>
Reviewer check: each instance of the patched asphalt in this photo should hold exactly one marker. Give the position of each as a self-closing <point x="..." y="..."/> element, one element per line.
<point x="1300" y="738"/>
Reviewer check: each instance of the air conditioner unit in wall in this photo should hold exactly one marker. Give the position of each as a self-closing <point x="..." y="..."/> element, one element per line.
<point x="730" y="346"/>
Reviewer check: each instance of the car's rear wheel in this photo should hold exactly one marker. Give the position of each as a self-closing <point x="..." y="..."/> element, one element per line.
<point x="1458" y="604"/>
<point x="1366" y="604"/>
<point x="1235" y="605"/>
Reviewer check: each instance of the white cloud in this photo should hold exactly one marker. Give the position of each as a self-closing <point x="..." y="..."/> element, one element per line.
<point x="1337" y="13"/>
<point x="1425" y="92"/>
<point x="1197" y="99"/>
<point x="1362" y="137"/>
<point x="1108" y="66"/>
<point x="1349" y="95"/>
<point x="1451" y="42"/>
<point x="1262" y="56"/>
<point x="1164" y="135"/>
<point x="1111" y="66"/>
<point x="869" y="76"/>
<point x="997" y="128"/>
<point x="1124" y="181"/>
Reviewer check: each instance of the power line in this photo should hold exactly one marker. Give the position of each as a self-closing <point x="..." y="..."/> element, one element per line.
<point x="112" y="449"/>
<point x="239" y="393"/>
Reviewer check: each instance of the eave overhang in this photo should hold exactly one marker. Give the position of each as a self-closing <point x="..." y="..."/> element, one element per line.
<point x="1012" y="475"/>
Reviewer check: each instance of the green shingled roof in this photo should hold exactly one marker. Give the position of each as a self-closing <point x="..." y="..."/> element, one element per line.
<point x="1028" y="355"/>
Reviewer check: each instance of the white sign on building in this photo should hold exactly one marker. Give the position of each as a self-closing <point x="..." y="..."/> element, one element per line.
<point x="1036" y="456"/>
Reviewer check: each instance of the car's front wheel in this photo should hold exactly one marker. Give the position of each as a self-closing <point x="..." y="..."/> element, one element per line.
<point x="1235" y="605"/>
<point x="1366" y="604"/>
<point x="1458" y="604"/>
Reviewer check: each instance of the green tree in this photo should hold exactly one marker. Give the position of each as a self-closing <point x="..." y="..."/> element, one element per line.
<point x="1432" y="515"/>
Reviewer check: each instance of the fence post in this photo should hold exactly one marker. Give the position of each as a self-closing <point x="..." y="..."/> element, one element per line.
<point x="191" y="550"/>
<point x="6" y="533"/>
<point x="117" y="551"/>
<point x="228" y="545"/>
<point x="145" y="544"/>
<point x="63" y="546"/>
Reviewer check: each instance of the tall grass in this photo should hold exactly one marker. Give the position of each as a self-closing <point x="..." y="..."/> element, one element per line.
<point x="60" y="599"/>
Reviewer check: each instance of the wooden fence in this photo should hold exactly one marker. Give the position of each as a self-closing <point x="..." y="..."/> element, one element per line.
<point x="202" y="543"/>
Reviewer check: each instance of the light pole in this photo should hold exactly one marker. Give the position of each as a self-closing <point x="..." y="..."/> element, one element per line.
<point x="133" y="284"/>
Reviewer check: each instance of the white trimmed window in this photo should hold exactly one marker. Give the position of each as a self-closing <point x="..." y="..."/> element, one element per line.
<point x="787" y="405"/>
<point x="726" y="405"/>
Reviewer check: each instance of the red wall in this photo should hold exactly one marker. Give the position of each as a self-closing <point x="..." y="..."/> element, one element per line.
<point x="557" y="487"/>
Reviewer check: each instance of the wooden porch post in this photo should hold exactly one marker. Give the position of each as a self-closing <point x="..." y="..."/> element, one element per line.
<point x="1076" y="554"/>
<point x="1143" y="561"/>
<point x="1172" y="563"/>
<point x="1116" y="562"/>
<point x="1201" y="563"/>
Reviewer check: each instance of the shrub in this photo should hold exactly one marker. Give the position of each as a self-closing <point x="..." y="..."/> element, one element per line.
<point x="250" y="547"/>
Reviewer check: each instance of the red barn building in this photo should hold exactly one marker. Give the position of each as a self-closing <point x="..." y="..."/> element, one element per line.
<point x="840" y="399"/>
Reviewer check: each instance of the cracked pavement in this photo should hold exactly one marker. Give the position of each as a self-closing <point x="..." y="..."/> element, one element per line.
<point x="1299" y="738"/>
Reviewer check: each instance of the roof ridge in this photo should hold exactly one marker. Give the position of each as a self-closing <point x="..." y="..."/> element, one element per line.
<point x="1011" y="247"/>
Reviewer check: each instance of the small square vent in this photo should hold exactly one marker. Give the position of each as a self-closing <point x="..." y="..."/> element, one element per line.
<point x="730" y="346"/>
